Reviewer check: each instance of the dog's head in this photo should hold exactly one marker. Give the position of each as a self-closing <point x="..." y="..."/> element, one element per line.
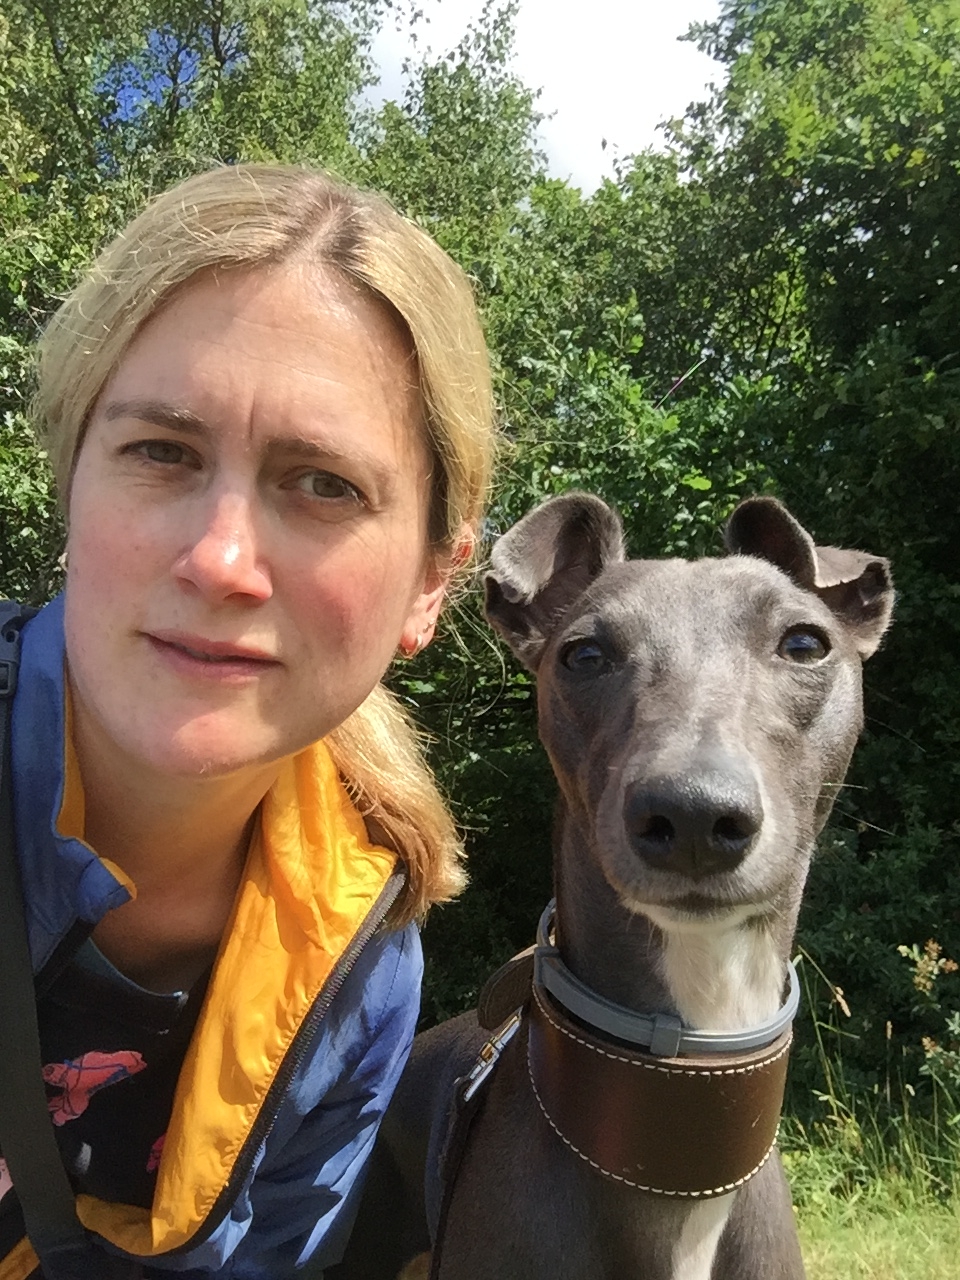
<point x="699" y="715"/>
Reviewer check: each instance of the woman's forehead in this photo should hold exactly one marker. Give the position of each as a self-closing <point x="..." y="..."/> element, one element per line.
<point x="272" y="343"/>
<point x="313" y="304"/>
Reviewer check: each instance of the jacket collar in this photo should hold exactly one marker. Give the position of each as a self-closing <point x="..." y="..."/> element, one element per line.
<point x="63" y="879"/>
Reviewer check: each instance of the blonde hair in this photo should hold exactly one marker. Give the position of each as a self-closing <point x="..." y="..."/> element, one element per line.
<point x="262" y="216"/>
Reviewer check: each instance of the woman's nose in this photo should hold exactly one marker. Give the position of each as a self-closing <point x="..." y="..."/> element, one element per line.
<point x="224" y="556"/>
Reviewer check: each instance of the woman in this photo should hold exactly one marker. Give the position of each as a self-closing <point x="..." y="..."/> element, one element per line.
<point x="268" y="409"/>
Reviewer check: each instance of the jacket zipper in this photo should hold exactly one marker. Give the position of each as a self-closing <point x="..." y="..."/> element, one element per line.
<point x="293" y="1058"/>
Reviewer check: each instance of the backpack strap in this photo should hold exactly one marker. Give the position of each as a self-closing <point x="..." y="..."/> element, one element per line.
<point x="26" y="1133"/>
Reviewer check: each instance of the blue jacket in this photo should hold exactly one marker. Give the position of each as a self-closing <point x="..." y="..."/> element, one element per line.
<point x="306" y="1026"/>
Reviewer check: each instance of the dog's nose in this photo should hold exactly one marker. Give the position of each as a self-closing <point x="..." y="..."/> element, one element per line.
<point x="695" y="824"/>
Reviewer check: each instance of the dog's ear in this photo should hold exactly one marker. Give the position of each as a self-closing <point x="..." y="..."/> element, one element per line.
<point x="540" y="566"/>
<point x="856" y="586"/>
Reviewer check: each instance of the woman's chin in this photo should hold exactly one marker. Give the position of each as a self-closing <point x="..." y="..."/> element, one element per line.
<point x="189" y="754"/>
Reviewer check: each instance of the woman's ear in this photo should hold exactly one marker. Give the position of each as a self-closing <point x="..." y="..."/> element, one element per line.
<point x="421" y="624"/>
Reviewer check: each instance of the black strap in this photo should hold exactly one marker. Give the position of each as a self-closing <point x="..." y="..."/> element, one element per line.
<point x="26" y="1133"/>
<point x="469" y="1092"/>
<point x="464" y="1116"/>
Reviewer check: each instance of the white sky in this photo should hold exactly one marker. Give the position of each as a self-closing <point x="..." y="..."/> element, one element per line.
<point x="607" y="69"/>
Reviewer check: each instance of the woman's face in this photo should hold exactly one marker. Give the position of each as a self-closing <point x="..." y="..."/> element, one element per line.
<point x="248" y="524"/>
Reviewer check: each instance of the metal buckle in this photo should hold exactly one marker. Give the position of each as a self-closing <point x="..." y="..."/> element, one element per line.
<point x="9" y="661"/>
<point x="489" y="1056"/>
<point x="8" y="678"/>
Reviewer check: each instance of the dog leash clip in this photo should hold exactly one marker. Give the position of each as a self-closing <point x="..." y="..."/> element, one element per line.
<point x="489" y="1056"/>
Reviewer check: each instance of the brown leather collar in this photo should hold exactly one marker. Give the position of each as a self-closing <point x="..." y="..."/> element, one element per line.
<point x="686" y="1127"/>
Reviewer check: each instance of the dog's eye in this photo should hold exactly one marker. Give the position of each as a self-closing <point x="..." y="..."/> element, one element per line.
<point x="803" y="645"/>
<point x="583" y="656"/>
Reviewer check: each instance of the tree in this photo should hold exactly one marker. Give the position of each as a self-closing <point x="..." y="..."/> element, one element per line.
<point x="827" y="168"/>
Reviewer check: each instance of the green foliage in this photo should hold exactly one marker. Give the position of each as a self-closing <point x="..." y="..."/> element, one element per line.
<point x="30" y="535"/>
<point x="873" y="1173"/>
<point x="457" y="153"/>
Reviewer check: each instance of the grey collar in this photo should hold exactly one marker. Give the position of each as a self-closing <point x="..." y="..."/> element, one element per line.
<point x="662" y="1034"/>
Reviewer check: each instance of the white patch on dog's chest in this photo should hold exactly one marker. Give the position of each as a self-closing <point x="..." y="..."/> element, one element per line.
<point x="722" y="976"/>
<point x="694" y="1252"/>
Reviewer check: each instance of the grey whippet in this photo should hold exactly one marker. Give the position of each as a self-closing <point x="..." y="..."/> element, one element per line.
<point x="699" y="717"/>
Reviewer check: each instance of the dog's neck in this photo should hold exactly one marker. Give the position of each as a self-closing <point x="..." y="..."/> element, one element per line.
<point x="720" y="974"/>
<point x="714" y="978"/>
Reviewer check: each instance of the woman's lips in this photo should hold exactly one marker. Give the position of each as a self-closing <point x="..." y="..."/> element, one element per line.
<point x="197" y="657"/>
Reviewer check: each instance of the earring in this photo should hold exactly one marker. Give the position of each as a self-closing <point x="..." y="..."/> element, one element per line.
<point x="418" y="645"/>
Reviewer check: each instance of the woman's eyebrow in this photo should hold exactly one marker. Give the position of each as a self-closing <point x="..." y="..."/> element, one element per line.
<point x="327" y="453"/>
<point x="301" y="444"/>
<point x="157" y="413"/>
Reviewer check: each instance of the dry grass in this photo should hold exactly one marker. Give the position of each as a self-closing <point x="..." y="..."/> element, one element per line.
<point x="906" y="1245"/>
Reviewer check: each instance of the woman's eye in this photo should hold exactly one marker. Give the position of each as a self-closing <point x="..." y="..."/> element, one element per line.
<point x="583" y="656"/>
<point x="324" y="484"/>
<point x="803" y="645"/>
<point x="168" y="452"/>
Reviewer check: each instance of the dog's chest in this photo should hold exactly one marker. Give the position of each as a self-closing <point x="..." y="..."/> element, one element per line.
<point x="695" y="1250"/>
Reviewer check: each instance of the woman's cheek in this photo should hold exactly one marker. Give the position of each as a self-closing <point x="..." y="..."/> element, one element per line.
<point x="362" y="595"/>
<point x="112" y="540"/>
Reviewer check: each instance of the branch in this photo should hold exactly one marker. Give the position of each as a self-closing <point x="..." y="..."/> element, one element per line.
<point x="216" y="33"/>
<point x="69" y="91"/>
<point x="788" y="298"/>
<point x="173" y="102"/>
